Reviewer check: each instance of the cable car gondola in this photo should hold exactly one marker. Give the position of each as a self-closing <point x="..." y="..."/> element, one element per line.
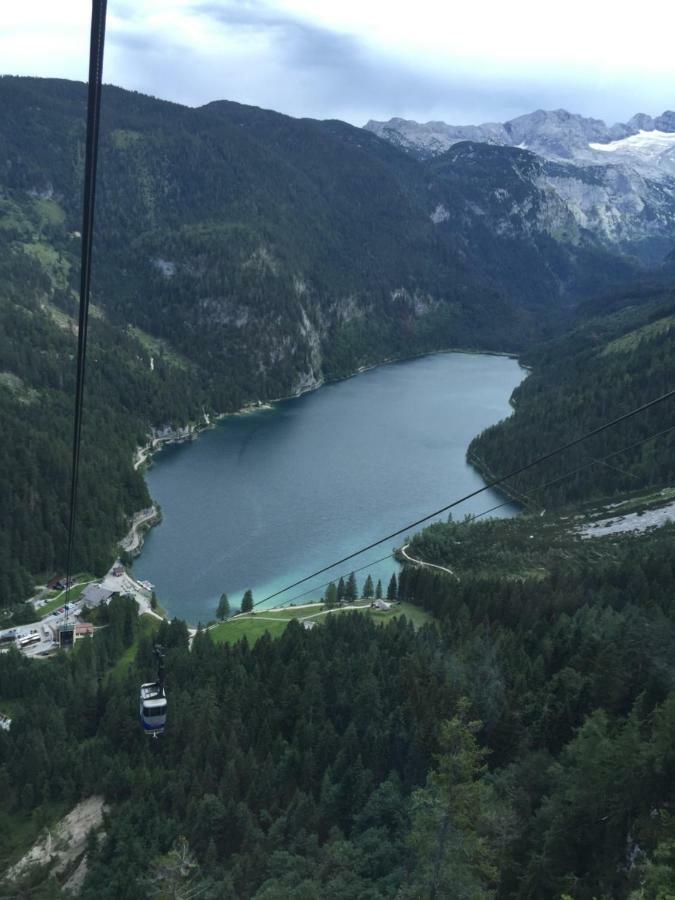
<point x="153" y="700"/>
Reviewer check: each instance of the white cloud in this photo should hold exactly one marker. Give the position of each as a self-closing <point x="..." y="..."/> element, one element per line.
<point x="599" y="34"/>
<point x="355" y="59"/>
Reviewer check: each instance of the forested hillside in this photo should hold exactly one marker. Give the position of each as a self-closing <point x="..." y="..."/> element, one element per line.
<point x="283" y="251"/>
<point x="620" y="354"/>
<point x="535" y="720"/>
<point x="171" y="339"/>
<point x="124" y="395"/>
<point x="240" y="255"/>
<point x="571" y="668"/>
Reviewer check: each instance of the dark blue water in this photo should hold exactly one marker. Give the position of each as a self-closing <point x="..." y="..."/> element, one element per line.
<point x="266" y="498"/>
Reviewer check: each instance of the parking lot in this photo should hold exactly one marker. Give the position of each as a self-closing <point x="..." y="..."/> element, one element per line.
<point x="41" y="637"/>
<point x="34" y="640"/>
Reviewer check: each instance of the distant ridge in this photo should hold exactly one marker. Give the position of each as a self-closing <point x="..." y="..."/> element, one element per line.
<point x="554" y="134"/>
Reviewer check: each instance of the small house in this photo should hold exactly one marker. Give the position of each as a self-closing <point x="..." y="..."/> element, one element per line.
<point x="83" y="630"/>
<point x="308" y="625"/>
<point x="60" y="583"/>
<point x="382" y="605"/>
<point x="118" y="570"/>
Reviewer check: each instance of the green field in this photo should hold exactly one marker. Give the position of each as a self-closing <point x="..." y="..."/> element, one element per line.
<point x="55" y="266"/>
<point x="248" y="627"/>
<point x="274" y="622"/>
<point x="48" y="212"/>
<point x="58" y="601"/>
<point x="628" y="342"/>
<point x="288" y="613"/>
<point x="157" y="347"/>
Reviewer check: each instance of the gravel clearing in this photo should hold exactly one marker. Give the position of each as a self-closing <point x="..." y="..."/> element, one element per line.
<point x="632" y="522"/>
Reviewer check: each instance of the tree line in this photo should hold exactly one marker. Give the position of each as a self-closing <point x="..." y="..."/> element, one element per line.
<point x="518" y="748"/>
<point x="345" y="591"/>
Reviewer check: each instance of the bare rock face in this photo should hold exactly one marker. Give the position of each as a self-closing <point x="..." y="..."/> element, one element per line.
<point x="63" y="847"/>
<point x="553" y="134"/>
<point x="617" y="182"/>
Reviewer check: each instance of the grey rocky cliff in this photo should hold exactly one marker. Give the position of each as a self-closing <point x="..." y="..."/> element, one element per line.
<point x="617" y="182"/>
<point x="553" y="134"/>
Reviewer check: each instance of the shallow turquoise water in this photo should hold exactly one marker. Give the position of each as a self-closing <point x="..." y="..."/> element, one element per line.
<point x="266" y="498"/>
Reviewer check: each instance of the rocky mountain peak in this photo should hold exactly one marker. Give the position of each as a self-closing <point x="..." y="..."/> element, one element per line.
<point x="554" y="134"/>
<point x="665" y="122"/>
<point x="616" y="182"/>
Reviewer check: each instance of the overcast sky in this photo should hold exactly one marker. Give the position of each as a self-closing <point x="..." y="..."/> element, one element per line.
<point x="461" y="62"/>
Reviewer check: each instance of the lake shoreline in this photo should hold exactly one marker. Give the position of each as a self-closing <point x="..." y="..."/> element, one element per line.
<point x="191" y="431"/>
<point x="144" y="455"/>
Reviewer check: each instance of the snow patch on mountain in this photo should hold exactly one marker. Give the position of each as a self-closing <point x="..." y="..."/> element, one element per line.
<point x="642" y="142"/>
<point x="653" y="151"/>
<point x="554" y="134"/>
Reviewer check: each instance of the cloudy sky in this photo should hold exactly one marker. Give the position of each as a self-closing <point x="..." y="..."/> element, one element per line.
<point x="462" y="62"/>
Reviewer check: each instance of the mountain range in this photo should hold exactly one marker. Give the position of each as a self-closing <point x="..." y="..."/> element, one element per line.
<point x="617" y="181"/>
<point x="555" y="134"/>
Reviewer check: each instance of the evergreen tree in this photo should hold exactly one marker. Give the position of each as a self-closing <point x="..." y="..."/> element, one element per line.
<point x="247" y="601"/>
<point x="341" y="589"/>
<point x="331" y="598"/>
<point x="449" y="816"/>
<point x="223" y="610"/>
<point x="392" y="589"/>
<point x="378" y="589"/>
<point x="368" y="588"/>
<point x="352" y="590"/>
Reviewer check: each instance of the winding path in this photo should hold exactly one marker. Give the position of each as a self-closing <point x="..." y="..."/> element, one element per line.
<point x="141" y="455"/>
<point x="420" y="562"/>
<point x="132" y="541"/>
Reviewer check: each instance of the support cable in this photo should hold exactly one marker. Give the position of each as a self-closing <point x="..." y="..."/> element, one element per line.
<point x="490" y="484"/>
<point x="96" y="45"/>
<point x="485" y="512"/>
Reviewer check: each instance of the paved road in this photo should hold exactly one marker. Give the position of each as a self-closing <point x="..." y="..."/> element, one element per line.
<point x="45" y="633"/>
<point x="132" y="540"/>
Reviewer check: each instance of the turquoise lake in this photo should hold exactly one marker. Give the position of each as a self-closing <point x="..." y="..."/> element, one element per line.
<point x="265" y="498"/>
